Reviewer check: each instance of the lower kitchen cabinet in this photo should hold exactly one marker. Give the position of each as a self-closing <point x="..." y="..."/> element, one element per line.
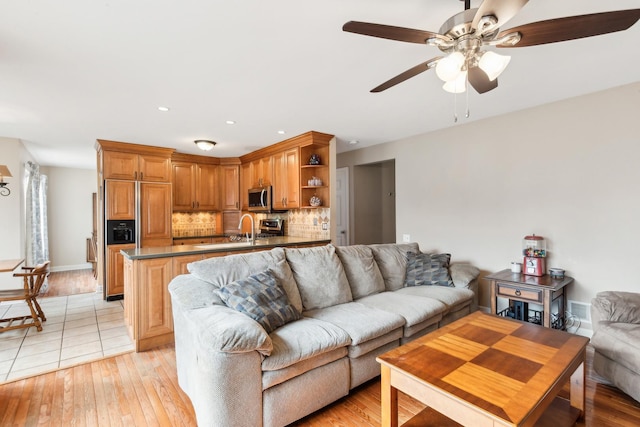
<point x="115" y="275"/>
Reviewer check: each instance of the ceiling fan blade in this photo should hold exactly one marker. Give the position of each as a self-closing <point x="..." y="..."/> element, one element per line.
<point x="572" y="27"/>
<point x="411" y="72"/>
<point x="480" y="81"/>
<point x="504" y="10"/>
<point x="390" y="32"/>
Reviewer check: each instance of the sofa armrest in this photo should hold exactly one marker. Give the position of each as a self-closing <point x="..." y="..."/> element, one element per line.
<point x="615" y="306"/>
<point x="463" y="274"/>
<point x="216" y="327"/>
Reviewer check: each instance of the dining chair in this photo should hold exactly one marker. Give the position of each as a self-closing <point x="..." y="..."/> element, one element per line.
<point x="33" y="278"/>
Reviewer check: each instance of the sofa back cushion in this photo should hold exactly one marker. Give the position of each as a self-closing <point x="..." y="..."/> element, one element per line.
<point x="320" y="277"/>
<point x="220" y="271"/>
<point x="392" y="262"/>
<point x="361" y="269"/>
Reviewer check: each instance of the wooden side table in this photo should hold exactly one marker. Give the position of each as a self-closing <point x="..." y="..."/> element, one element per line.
<point x="530" y="289"/>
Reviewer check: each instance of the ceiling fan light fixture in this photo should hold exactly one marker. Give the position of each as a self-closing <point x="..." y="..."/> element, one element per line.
<point x="448" y="68"/>
<point x="458" y="85"/>
<point x="204" y="144"/>
<point x="493" y="64"/>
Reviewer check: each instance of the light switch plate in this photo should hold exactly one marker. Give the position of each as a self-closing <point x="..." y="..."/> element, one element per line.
<point x="406" y="238"/>
<point x="325" y="225"/>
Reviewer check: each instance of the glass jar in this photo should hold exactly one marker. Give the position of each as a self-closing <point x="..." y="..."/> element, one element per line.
<point x="534" y="246"/>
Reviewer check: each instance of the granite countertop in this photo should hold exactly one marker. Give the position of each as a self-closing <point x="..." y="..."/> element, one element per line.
<point x="171" y="251"/>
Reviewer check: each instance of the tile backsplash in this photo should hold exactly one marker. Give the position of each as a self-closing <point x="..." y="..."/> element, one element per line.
<point x="305" y="223"/>
<point x="188" y="224"/>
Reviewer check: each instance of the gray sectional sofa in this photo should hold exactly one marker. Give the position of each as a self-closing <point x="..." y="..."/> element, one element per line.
<point x="615" y="318"/>
<point x="344" y="306"/>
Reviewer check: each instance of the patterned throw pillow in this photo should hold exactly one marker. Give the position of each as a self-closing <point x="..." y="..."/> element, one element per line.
<point x="428" y="269"/>
<point x="262" y="298"/>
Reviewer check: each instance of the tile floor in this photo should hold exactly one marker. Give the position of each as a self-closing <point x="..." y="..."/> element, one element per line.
<point x="79" y="328"/>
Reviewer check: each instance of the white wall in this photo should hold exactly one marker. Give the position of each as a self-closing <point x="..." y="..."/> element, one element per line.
<point x="70" y="213"/>
<point x="568" y="171"/>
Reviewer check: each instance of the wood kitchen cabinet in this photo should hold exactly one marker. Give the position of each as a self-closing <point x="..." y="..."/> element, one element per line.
<point x="120" y="200"/>
<point x="286" y="179"/>
<point x="195" y="183"/>
<point x="155" y="216"/>
<point x="147" y="306"/>
<point x="115" y="272"/>
<point x="262" y="172"/>
<point x="137" y="167"/>
<point x="230" y="187"/>
<point x="246" y="183"/>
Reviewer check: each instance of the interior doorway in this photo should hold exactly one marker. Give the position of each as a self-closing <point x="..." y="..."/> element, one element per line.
<point x="374" y="203"/>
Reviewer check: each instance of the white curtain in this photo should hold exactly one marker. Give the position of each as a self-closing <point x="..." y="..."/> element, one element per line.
<point x="37" y="234"/>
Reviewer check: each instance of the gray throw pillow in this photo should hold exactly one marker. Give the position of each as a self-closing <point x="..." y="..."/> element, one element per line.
<point x="262" y="298"/>
<point x="428" y="269"/>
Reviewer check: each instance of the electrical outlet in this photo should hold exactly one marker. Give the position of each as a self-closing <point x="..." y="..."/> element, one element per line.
<point x="315" y="221"/>
<point x="406" y="238"/>
<point x="325" y="225"/>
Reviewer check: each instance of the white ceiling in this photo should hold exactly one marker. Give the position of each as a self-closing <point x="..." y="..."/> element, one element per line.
<point x="74" y="71"/>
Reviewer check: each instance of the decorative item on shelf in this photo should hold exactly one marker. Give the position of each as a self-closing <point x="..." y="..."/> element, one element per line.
<point x="534" y="249"/>
<point x="314" y="182"/>
<point x="315" y="201"/>
<point x="556" y="273"/>
<point x="314" y="159"/>
<point x="516" y="267"/>
<point x="4" y="171"/>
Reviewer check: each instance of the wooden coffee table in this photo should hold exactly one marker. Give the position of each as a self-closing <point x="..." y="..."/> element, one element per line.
<point x="486" y="370"/>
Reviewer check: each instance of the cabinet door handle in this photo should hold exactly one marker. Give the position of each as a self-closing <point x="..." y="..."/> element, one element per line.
<point x="141" y="176"/>
<point x="518" y="293"/>
<point x="197" y="204"/>
<point x="135" y="175"/>
<point x="236" y="205"/>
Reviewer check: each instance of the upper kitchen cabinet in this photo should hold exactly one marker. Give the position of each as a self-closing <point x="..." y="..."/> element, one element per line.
<point x="294" y="180"/>
<point x="286" y="179"/>
<point x="135" y="162"/>
<point x="195" y="183"/>
<point x="262" y="172"/>
<point x="230" y="184"/>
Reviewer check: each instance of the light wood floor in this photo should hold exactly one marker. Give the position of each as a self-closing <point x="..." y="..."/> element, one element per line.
<point x="70" y="283"/>
<point x="142" y="389"/>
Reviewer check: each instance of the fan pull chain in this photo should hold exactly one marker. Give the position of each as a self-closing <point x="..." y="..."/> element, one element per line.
<point x="467" y="93"/>
<point x="455" y="108"/>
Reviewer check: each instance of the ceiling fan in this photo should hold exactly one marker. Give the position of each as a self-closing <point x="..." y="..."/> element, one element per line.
<point x="463" y="37"/>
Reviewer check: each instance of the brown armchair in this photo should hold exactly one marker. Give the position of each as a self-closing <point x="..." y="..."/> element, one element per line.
<point x="33" y="278"/>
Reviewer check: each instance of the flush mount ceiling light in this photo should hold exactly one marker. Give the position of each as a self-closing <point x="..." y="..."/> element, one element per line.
<point x="163" y="109"/>
<point x="464" y="37"/>
<point x="204" y="144"/>
<point x="230" y="122"/>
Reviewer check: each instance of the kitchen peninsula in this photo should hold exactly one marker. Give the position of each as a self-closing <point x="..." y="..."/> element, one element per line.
<point x="148" y="271"/>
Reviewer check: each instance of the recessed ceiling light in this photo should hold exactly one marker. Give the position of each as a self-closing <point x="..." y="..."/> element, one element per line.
<point x="230" y="122"/>
<point x="353" y="142"/>
<point x="281" y="132"/>
<point x="165" y="109"/>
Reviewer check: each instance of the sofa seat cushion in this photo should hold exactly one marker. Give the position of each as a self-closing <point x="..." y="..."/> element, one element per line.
<point x="453" y="298"/>
<point x="226" y="269"/>
<point x="272" y="378"/>
<point x="361" y="322"/>
<point x="321" y="279"/>
<point x="619" y="342"/>
<point x="392" y="262"/>
<point x="301" y="340"/>
<point x="414" y="310"/>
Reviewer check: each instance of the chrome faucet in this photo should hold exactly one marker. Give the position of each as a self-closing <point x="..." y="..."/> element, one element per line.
<point x="253" y="239"/>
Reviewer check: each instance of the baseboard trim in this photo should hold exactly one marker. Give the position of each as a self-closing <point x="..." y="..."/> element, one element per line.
<point x="70" y="267"/>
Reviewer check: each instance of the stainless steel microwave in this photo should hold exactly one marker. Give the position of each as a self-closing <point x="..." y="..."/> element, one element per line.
<point x="260" y="199"/>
